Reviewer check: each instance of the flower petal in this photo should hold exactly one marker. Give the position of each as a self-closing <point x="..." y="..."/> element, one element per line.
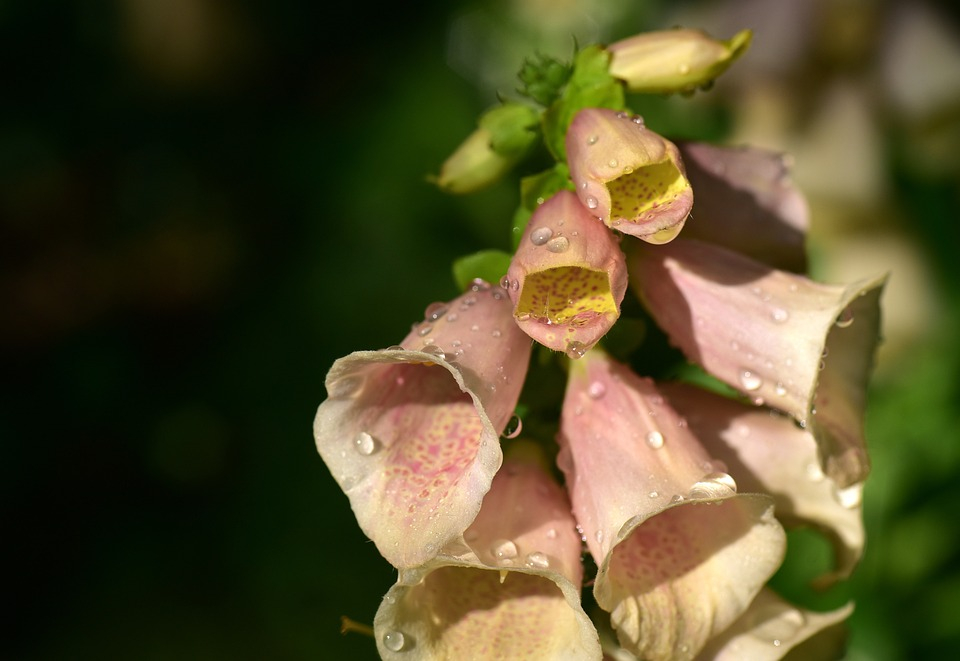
<point x="512" y="592"/>
<point x="746" y="202"/>
<point x="770" y="454"/>
<point x="667" y="61"/>
<point x="681" y="554"/>
<point x="772" y="627"/>
<point x="567" y="277"/>
<point x="780" y="338"/>
<point x="627" y="175"/>
<point x="411" y="433"/>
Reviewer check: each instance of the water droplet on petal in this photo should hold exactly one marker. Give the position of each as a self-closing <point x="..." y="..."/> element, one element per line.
<point x="592" y="140"/>
<point x="596" y="390"/>
<point x="513" y="428"/>
<point x="552" y="533"/>
<point x="435" y="351"/>
<point x="613" y="163"/>
<point x="713" y="485"/>
<point x="850" y="497"/>
<point x="780" y="389"/>
<point x="575" y="349"/>
<point x="538" y="560"/>
<point x="366" y="444"/>
<point x="504" y="550"/>
<point x="434" y="311"/>
<point x="540" y="235"/>
<point x="637" y="119"/>
<point x="845" y="319"/>
<point x="479" y="284"/>
<point x="683" y="69"/>
<point x="559" y="244"/>
<point x="749" y="380"/>
<point x="654" y="494"/>
<point x="394" y="641"/>
<point x="592" y="202"/>
<point x="677" y="498"/>
<point x="505" y="282"/>
<point x="779" y="315"/>
<point x="424" y="330"/>
<point x="814" y="472"/>
<point x="655" y="440"/>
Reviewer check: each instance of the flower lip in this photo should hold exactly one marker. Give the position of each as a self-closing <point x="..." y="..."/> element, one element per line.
<point x="412" y="435"/>
<point x="628" y="176"/>
<point x="567" y="277"/>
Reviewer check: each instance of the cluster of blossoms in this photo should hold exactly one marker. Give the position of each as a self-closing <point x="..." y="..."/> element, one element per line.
<point x="678" y="492"/>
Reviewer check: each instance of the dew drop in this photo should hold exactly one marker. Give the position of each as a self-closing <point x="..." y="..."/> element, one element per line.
<point x="552" y="533"/>
<point x="496" y="332"/>
<point x="504" y="550"/>
<point x="780" y="389"/>
<point x="655" y="440"/>
<point x="613" y="163"/>
<point x="394" y="641"/>
<point x="713" y="485"/>
<point x="575" y="349"/>
<point x="845" y="319"/>
<point x="540" y="235"/>
<point x="538" y="560"/>
<point x="637" y="119"/>
<point x="366" y="444"/>
<point x="479" y="284"/>
<point x="779" y="315"/>
<point x="505" y="282"/>
<point x="850" y="497"/>
<point x="434" y="311"/>
<point x="599" y="537"/>
<point x="596" y="390"/>
<point x="814" y="472"/>
<point x="424" y="330"/>
<point x="592" y="140"/>
<point x="513" y="428"/>
<point x="435" y="351"/>
<point x="677" y="498"/>
<point x="683" y="69"/>
<point x="559" y="244"/>
<point x="592" y="202"/>
<point x="394" y="347"/>
<point x="750" y="381"/>
<point x="654" y="494"/>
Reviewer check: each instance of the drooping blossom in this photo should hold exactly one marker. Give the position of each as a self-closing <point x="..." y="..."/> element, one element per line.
<point x="768" y="453"/>
<point x="747" y="202"/>
<point x="783" y="340"/>
<point x="681" y="553"/>
<point x="676" y="60"/>
<point x="411" y="433"/>
<point x="628" y="176"/>
<point x="511" y="590"/>
<point x="567" y="277"/>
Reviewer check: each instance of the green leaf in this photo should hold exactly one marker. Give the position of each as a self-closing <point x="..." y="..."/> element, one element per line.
<point x="489" y="265"/>
<point x="590" y="86"/>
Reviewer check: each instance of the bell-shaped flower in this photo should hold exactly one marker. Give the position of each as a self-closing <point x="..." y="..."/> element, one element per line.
<point x="677" y="60"/>
<point x="628" y="176"/>
<point x="772" y="627"/>
<point x="681" y="553"/>
<point x="567" y="277"/>
<point x="747" y="202"/>
<point x="510" y="591"/>
<point x="411" y="433"/>
<point x="768" y="453"/>
<point x="781" y="339"/>
<point x="503" y="137"/>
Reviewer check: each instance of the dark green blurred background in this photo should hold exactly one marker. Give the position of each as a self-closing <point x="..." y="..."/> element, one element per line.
<point x="204" y="203"/>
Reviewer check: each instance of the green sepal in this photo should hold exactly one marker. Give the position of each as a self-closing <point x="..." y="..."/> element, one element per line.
<point x="543" y="78"/>
<point x="489" y="265"/>
<point x="534" y="191"/>
<point x="590" y="86"/>
<point x="513" y="128"/>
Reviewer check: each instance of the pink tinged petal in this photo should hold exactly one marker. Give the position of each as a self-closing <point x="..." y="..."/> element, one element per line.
<point x="768" y="453"/>
<point x="513" y="591"/>
<point x="772" y="627"/>
<point x="628" y="176"/>
<point x="567" y="277"/>
<point x="681" y="554"/>
<point x="783" y="340"/>
<point x="747" y="202"/>
<point x="411" y="433"/>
